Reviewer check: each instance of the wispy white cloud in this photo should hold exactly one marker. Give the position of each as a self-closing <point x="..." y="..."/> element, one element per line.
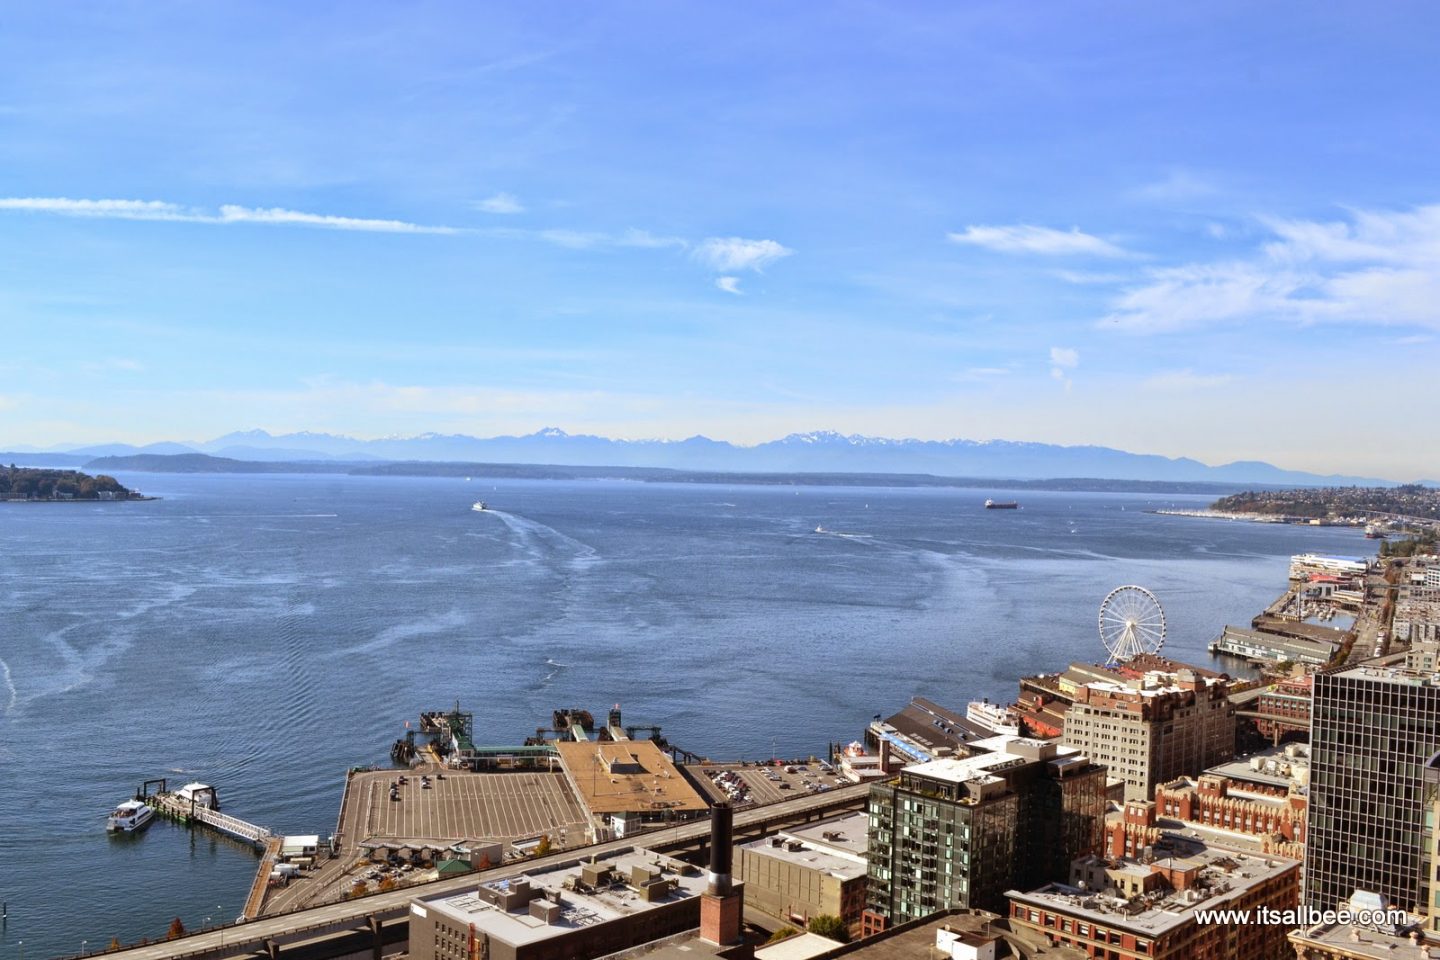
<point x="275" y="215"/>
<point x="1177" y="186"/>
<point x="1090" y="277"/>
<point x="1375" y="268"/>
<point x="734" y="254"/>
<point x="1180" y="380"/>
<point x="649" y="241"/>
<point x="725" y="255"/>
<point x="504" y="203"/>
<point x="981" y="374"/>
<point x="599" y="239"/>
<point x="117" y="209"/>
<point x="228" y="214"/>
<point x="1046" y="241"/>
<point x="1062" y="361"/>
<point x="574" y="239"/>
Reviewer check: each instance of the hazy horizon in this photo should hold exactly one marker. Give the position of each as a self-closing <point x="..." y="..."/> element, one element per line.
<point x="832" y="452"/>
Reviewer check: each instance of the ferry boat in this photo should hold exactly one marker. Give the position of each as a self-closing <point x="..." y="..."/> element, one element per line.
<point x="993" y="717"/>
<point x="132" y="816"/>
<point x="479" y="506"/>
<point x="1001" y="505"/>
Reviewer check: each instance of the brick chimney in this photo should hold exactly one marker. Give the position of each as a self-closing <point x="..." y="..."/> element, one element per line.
<point x="721" y="903"/>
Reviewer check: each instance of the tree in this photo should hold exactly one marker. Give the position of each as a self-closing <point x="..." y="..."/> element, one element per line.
<point x="177" y="929"/>
<point x="387" y="884"/>
<point x="359" y="889"/>
<point x="829" y="925"/>
<point x="114" y="944"/>
<point x="782" y="934"/>
<point x="543" y="847"/>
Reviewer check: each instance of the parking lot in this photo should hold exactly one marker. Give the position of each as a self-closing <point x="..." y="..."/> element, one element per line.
<point x="490" y="806"/>
<point x="746" y="784"/>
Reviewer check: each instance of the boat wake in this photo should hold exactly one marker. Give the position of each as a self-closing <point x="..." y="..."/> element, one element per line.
<point x="544" y="544"/>
<point x="415" y="629"/>
<point x="14" y="697"/>
<point x="843" y="535"/>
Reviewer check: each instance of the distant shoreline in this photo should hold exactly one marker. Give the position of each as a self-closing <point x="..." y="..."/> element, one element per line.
<point x="1251" y="518"/>
<point x="138" y="499"/>
<point x="205" y="464"/>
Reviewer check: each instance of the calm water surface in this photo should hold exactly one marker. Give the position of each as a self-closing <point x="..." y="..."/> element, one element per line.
<point x="265" y="633"/>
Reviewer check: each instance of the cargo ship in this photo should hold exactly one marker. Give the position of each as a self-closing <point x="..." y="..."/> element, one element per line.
<point x="1001" y="505"/>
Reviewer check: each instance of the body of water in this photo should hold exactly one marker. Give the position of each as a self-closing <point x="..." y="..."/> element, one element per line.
<point x="265" y="633"/>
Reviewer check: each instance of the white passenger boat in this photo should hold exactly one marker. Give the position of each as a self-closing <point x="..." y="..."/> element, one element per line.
<point x="479" y="506"/>
<point x="132" y="816"/>
<point x="993" y="717"/>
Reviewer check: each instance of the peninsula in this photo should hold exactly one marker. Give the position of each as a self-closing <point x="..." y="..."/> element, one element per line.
<point x="32" y="485"/>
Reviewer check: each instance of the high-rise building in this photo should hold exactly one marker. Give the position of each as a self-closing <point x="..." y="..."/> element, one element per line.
<point x="960" y="832"/>
<point x="1373" y="727"/>
<point x="1153" y="728"/>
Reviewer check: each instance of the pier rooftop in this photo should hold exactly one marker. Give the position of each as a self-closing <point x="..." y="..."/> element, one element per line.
<point x="463" y="806"/>
<point x="628" y="777"/>
<point x="496" y="807"/>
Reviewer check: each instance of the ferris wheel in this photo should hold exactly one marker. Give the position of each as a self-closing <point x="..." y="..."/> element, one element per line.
<point x="1131" y="623"/>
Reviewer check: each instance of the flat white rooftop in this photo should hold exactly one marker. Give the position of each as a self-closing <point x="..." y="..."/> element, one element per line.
<point x="841" y="856"/>
<point x="578" y="910"/>
<point x="961" y="769"/>
<point x="1225" y="875"/>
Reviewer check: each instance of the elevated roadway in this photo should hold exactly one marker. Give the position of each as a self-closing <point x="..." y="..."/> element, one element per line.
<point x="380" y="920"/>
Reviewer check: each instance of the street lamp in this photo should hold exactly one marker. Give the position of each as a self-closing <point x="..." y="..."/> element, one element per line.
<point x="82" y="947"/>
<point x="220" y="912"/>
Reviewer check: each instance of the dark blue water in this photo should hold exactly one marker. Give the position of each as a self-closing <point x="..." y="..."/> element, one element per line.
<point x="265" y="633"/>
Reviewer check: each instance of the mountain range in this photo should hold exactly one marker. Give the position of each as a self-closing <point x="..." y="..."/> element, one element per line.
<point x="816" y="452"/>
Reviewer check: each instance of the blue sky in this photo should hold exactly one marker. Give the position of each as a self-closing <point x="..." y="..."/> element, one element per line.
<point x="1202" y="229"/>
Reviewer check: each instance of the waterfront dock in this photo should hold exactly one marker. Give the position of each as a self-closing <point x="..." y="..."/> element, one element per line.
<point x="190" y="813"/>
<point x="255" y="902"/>
<point x="1259" y="646"/>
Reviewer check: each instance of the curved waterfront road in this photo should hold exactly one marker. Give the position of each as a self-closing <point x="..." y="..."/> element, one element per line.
<point x="260" y="937"/>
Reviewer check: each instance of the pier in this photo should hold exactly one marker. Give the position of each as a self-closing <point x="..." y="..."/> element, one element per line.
<point x="188" y="812"/>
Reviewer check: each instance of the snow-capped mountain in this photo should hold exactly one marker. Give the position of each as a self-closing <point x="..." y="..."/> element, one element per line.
<point x="821" y="451"/>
